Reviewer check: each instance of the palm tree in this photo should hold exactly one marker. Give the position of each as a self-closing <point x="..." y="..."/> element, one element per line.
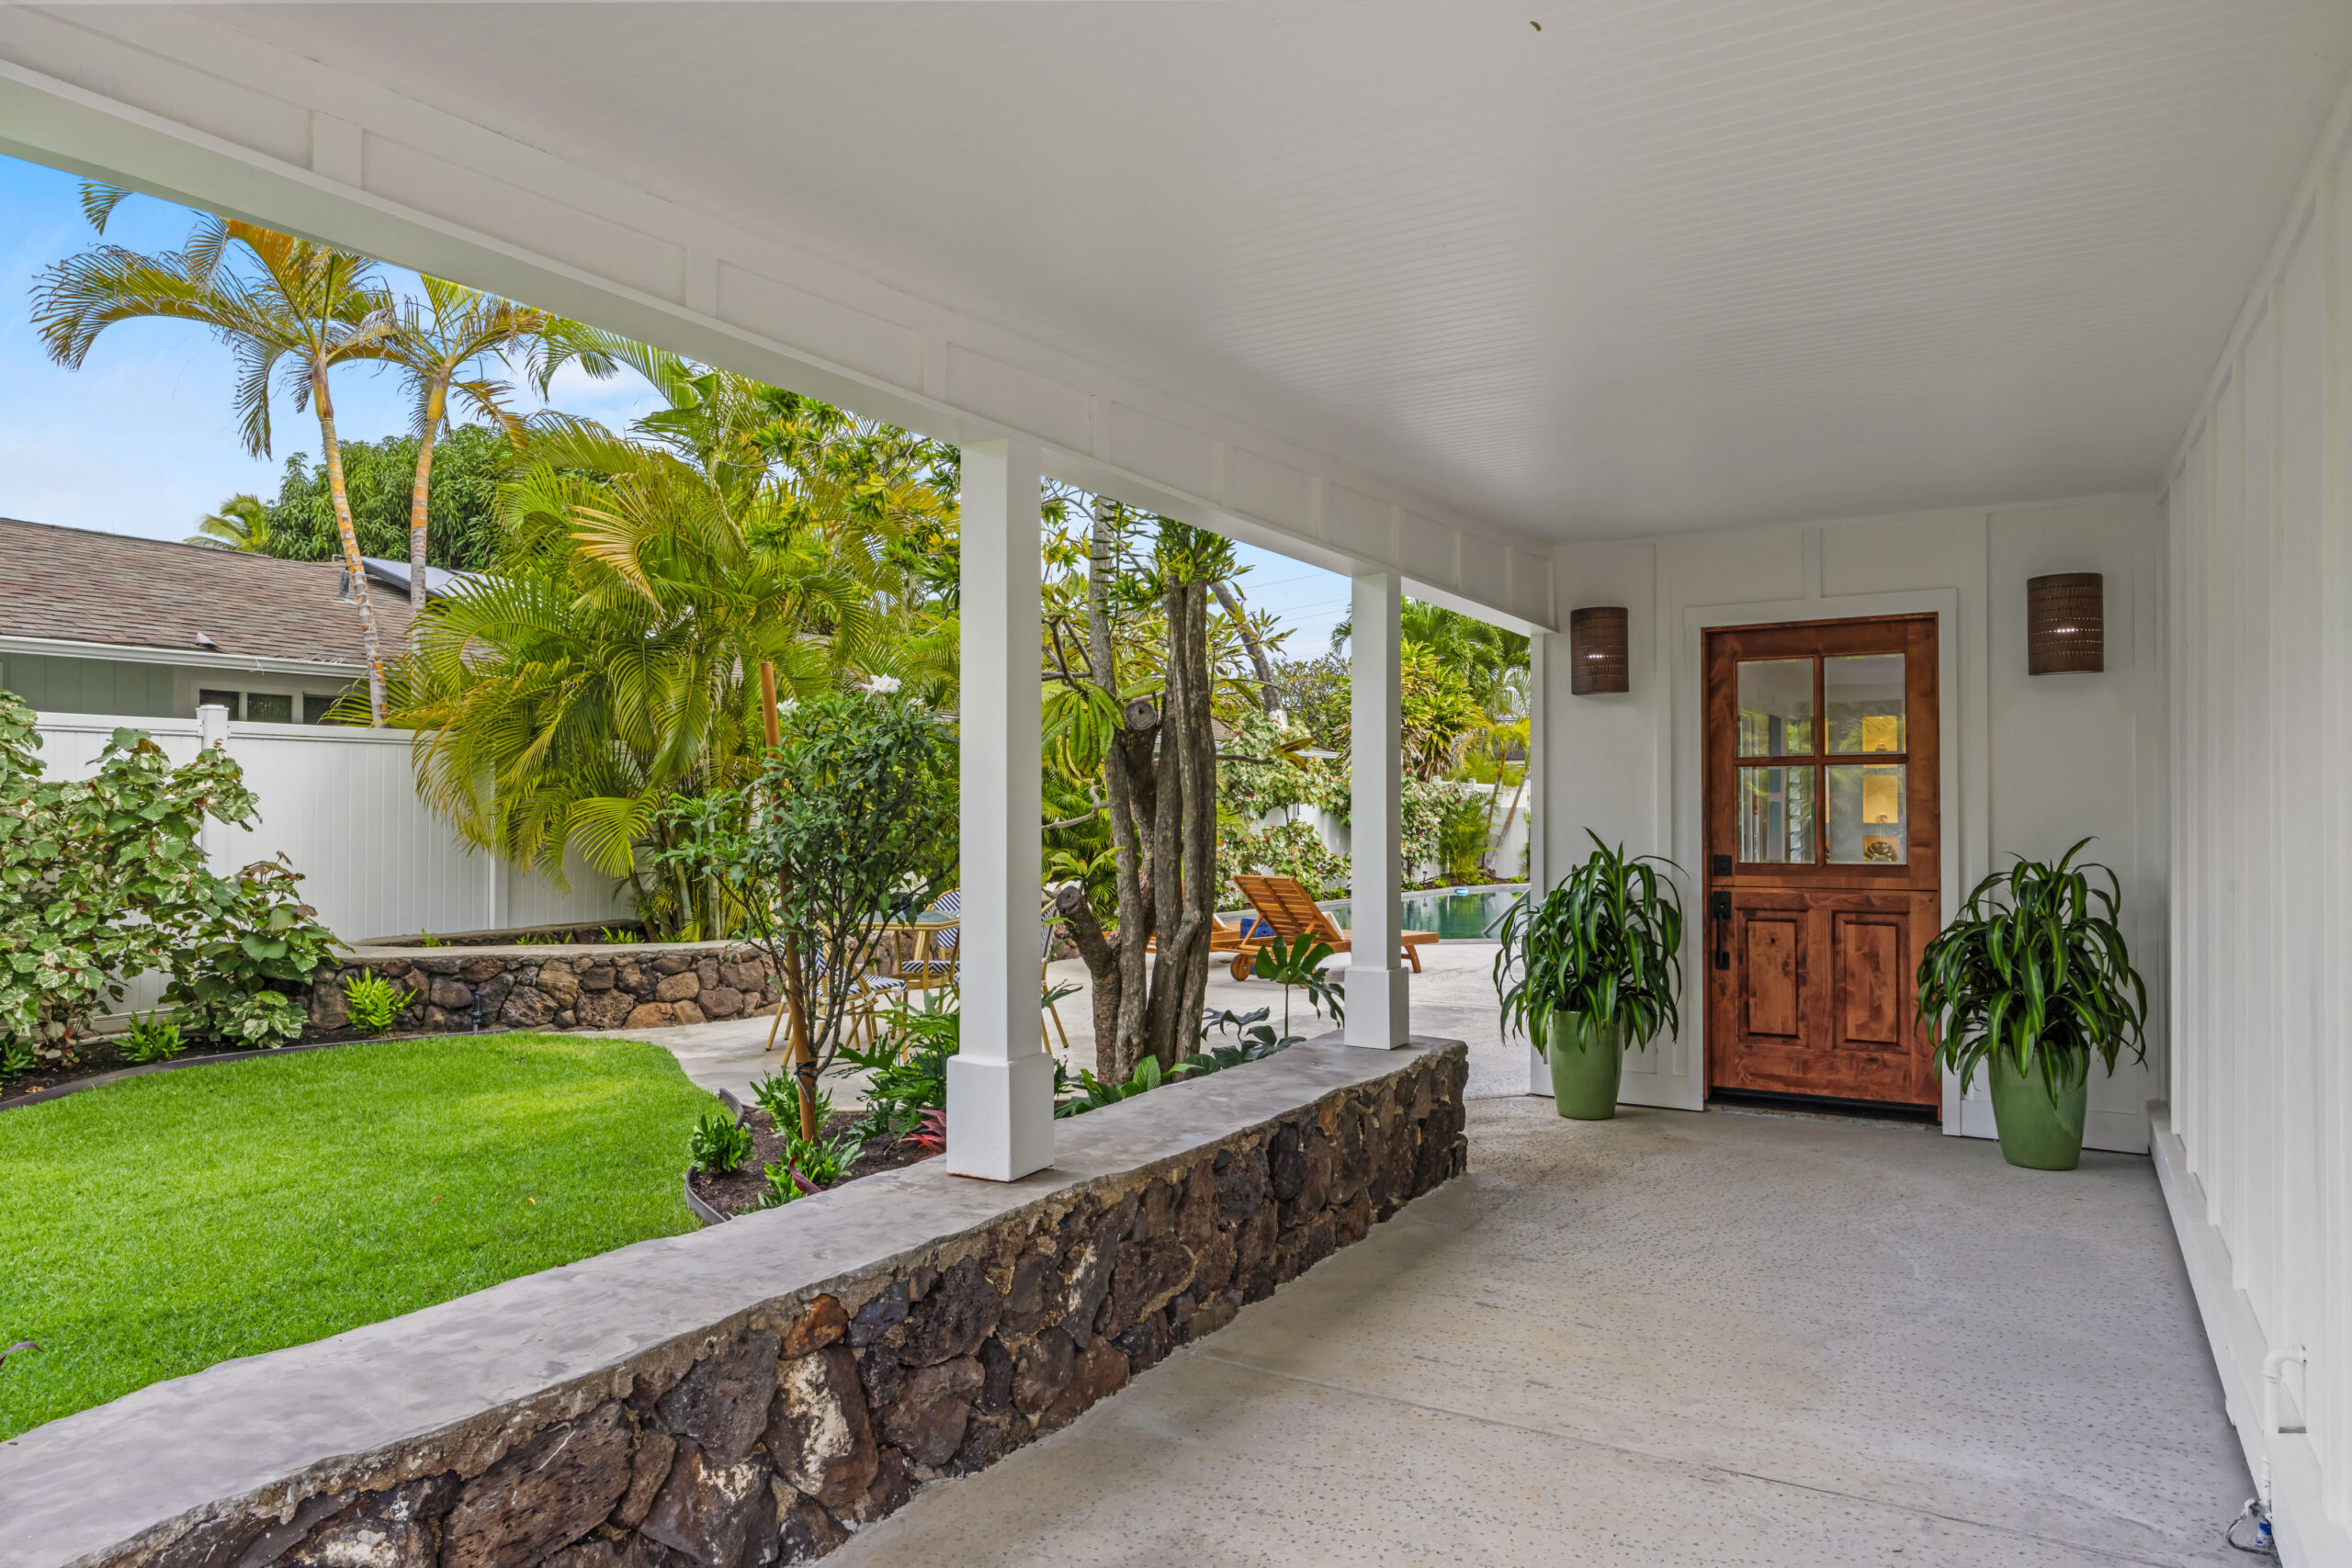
<point x="242" y="523"/>
<point x="287" y="308"/>
<point x="439" y="349"/>
<point x="608" y="670"/>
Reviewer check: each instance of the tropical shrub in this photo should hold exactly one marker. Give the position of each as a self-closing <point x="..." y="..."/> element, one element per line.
<point x="1606" y="943"/>
<point x="237" y="979"/>
<point x="153" y="1038"/>
<point x="719" y="1144"/>
<point x="374" y="1003"/>
<point x="906" y="1065"/>
<point x="778" y="1094"/>
<point x="1462" y="836"/>
<point x="2034" y="967"/>
<point x="809" y="1165"/>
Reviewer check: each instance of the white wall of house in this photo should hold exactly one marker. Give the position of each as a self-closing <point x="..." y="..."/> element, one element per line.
<point x="2029" y="763"/>
<point x="2253" y="1150"/>
<point x="341" y="804"/>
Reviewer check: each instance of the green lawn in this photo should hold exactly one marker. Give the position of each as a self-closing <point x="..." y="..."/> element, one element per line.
<point x="152" y="1227"/>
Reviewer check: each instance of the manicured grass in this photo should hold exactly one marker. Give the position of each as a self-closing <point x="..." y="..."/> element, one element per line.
<point x="151" y="1228"/>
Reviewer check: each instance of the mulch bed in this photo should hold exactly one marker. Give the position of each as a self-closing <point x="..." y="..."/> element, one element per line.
<point x="739" y="1193"/>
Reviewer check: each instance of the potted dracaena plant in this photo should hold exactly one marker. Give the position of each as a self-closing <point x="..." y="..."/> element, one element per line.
<point x="1595" y="967"/>
<point x="2030" y="980"/>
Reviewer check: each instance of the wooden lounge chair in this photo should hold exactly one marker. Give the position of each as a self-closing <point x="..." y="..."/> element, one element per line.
<point x="1284" y="910"/>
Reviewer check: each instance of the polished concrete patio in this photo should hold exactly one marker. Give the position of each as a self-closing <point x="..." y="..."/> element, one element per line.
<point x="1669" y="1339"/>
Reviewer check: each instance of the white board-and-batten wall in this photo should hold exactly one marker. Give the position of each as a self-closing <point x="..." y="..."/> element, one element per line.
<point x="341" y="803"/>
<point x="2030" y="764"/>
<point x="2252" y="1145"/>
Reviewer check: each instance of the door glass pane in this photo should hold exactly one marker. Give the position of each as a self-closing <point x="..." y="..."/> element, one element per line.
<point x="1862" y="694"/>
<point x="269" y="708"/>
<point x="1775" y="708"/>
<point x="1775" y="815"/>
<point x="1866" y="810"/>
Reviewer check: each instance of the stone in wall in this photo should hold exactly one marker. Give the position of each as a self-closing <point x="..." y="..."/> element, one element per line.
<point x="614" y="987"/>
<point x="790" y="1430"/>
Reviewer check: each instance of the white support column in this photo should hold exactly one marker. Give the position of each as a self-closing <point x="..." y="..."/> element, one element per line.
<point x="1540" y="687"/>
<point x="999" y="1082"/>
<point x="1377" y="1006"/>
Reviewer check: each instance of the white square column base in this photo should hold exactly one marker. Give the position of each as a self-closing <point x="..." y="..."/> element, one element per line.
<point x="1539" y="1072"/>
<point x="999" y="1116"/>
<point x="1379" y="1012"/>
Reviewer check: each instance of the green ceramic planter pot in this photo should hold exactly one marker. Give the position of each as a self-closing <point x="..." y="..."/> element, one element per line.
<point x="2039" y="1131"/>
<point x="1586" y="1064"/>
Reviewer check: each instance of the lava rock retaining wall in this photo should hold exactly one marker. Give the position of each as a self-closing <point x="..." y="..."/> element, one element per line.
<point x="771" y="1436"/>
<point x="556" y="988"/>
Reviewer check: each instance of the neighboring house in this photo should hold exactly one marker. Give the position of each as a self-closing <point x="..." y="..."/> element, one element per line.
<point x="107" y="624"/>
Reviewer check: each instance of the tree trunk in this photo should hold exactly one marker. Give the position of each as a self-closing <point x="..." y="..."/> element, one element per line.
<point x="1184" y="830"/>
<point x="1118" y="1045"/>
<point x="1266" y="692"/>
<point x="357" y="568"/>
<point x="437" y="402"/>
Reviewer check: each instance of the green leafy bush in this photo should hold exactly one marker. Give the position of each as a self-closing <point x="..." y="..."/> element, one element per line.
<point x="718" y="1145"/>
<point x="102" y="879"/>
<point x="907" y="1066"/>
<point x="809" y="1165"/>
<point x="374" y="1003"/>
<point x="154" y="1038"/>
<point x="1462" y="836"/>
<point x="234" y="981"/>
<point x="778" y="1094"/>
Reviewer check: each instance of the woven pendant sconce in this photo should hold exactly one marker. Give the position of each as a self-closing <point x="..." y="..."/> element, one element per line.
<point x="1597" y="661"/>
<point x="2066" y="624"/>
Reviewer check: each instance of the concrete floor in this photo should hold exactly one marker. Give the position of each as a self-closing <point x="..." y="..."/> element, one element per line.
<point x="1670" y="1339"/>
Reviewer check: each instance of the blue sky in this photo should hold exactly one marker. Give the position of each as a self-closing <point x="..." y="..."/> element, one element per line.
<point x="143" y="438"/>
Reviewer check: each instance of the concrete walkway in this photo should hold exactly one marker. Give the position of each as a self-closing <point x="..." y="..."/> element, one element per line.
<point x="1454" y="997"/>
<point x="1670" y="1339"/>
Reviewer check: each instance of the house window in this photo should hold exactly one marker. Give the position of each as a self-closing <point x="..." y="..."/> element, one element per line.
<point x="314" y="707"/>
<point x="269" y="708"/>
<point x="230" y="700"/>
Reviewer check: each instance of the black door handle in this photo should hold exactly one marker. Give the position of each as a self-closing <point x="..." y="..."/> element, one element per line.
<point x="1719" y="905"/>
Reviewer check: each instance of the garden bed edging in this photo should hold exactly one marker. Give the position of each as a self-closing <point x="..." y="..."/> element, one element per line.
<point x="751" y="1394"/>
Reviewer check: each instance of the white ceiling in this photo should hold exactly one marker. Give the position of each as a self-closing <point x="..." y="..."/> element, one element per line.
<point x="1658" y="264"/>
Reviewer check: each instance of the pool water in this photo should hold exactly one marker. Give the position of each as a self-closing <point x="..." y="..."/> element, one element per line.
<point x="1467" y="914"/>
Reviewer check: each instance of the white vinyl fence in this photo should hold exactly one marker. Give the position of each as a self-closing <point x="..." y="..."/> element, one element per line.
<point x="341" y="804"/>
<point x="1506" y="841"/>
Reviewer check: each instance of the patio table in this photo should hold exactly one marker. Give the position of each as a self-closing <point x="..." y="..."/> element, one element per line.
<point x="921" y="930"/>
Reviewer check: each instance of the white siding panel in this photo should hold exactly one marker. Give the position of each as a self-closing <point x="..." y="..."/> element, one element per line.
<point x="2259" y="633"/>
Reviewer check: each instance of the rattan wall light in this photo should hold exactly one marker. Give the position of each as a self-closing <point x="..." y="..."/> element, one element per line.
<point x="1597" y="661"/>
<point x="2066" y="624"/>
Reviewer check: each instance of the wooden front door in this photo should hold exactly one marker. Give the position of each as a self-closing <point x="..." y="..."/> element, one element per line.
<point x="1824" y="856"/>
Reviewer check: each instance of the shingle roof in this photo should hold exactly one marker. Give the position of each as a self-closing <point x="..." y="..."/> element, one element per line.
<point x="81" y="586"/>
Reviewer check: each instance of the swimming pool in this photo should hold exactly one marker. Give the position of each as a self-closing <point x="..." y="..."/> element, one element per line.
<point x="1466" y="914"/>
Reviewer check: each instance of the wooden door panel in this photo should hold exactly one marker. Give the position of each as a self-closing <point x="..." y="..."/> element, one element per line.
<point x="1867" y="956"/>
<point x="1770" y="977"/>
<point x="1812" y="967"/>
